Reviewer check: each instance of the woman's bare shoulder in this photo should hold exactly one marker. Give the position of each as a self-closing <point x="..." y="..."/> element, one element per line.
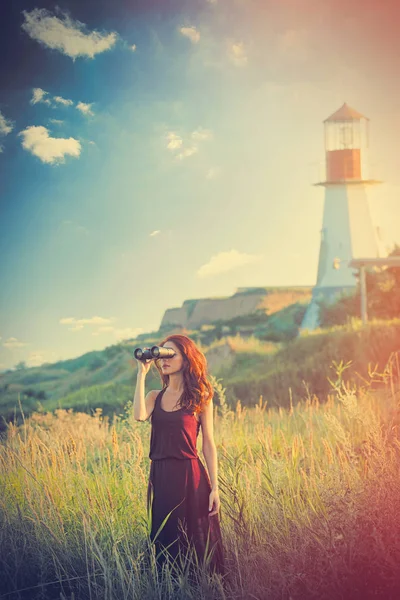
<point x="150" y="402"/>
<point x="154" y="393"/>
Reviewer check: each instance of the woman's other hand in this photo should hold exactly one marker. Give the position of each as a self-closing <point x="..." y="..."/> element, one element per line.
<point x="214" y="503"/>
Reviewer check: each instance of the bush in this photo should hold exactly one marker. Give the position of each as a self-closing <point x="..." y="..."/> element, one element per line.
<point x="96" y="363"/>
<point x="383" y="297"/>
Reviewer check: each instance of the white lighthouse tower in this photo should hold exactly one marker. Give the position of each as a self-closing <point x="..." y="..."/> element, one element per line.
<point x="347" y="229"/>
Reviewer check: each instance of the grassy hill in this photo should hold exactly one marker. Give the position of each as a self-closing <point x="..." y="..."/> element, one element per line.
<point x="84" y="381"/>
<point x="356" y="354"/>
<point x="248" y="368"/>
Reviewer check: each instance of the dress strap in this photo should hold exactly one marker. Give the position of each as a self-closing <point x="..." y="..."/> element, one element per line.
<point x="159" y="396"/>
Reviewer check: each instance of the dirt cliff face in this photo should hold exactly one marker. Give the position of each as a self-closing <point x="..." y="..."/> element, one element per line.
<point x="194" y="313"/>
<point x="175" y="316"/>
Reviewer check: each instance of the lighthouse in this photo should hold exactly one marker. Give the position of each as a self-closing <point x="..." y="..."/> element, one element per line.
<point x="347" y="229"/>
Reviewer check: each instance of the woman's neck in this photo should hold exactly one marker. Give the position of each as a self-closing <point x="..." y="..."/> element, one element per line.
<point x="175" y="383"/>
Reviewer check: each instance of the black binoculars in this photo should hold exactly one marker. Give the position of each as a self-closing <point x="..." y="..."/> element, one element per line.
<point x="153" y="353"/>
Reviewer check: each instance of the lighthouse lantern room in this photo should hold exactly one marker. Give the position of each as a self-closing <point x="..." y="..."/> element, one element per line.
<point x="346" y="143"/>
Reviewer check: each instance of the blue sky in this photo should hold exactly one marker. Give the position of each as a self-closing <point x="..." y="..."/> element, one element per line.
<point x="158" y="151"/>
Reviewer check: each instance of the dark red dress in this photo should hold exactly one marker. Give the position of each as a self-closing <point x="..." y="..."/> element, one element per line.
<point x="179" y="483"/>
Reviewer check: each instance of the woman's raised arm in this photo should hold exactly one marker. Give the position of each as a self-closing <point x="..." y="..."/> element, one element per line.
<point x="143" y="407"/>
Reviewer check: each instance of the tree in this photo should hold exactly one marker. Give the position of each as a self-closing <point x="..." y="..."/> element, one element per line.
<point x="20" y="366"/>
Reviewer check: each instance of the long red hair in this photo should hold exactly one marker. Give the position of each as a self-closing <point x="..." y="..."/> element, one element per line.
<point x="198" y="391"/>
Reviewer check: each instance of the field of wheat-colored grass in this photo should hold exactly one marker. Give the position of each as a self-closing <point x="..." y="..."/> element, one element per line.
<point x="310" y="503"/>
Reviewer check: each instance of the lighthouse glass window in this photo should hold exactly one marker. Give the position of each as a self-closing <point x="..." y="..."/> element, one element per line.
<point x="346" y="135"/>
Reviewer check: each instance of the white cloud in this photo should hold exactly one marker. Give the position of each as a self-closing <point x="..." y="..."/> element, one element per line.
<point x="119" y="334"/>
<point x="6" y="126"/>
<point x="76" y="327"/>
<point x="66" y="35"/>
<point x="237" y="54"/>
<point x="202" y="135"/>
<point x="63" y="101"/>
<point x="38" y="95"/>
<point x="154" y="233"/>
<point x="294" y="45"/>
<point x="56" y="121"/>
<point x="174" y="141"/>
<point x="67" y="320"/>
<point x="103" y="326"/>
<point x="188" y="148"/>
<point x="133" y="47"/>
<point x="76" y="227"/>
<point x="82" y="229"/>
<point x="186" y="152"/>
<point x="85" y="109"/>
<point x="79" y="324"/>
<point x="192" y="33"/>
<point x="127" y="333"/>
<point x="35" y="359"/>
<point x="14" y="343"/>
<point x="213" y="172"/>
<point x="50" y="150"/>
<point x="226" y="261"/>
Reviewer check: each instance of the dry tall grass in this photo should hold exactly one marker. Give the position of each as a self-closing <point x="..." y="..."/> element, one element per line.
<point x="310" y="504"/>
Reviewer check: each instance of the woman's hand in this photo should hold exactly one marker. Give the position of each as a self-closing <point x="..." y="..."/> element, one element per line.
<point x="143" y="367"/>
<point x="213" y="503"/>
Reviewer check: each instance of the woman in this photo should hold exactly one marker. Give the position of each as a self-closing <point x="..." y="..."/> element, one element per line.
<point x="179" y="486"/>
